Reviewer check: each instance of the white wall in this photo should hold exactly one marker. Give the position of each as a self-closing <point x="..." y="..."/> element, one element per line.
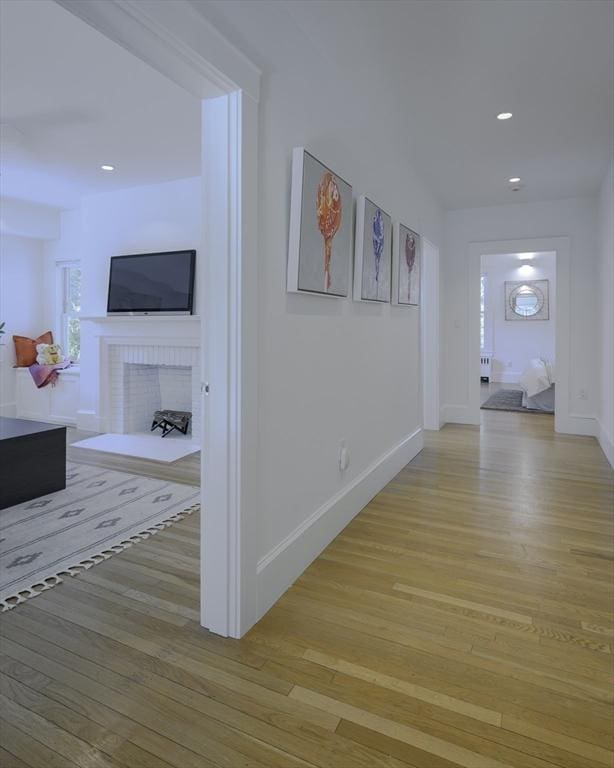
<point x="156" y="217"/>
<point x="574" y="218"/>
<point x="329" y="369"/>
<point x="21" y="305"/>
<point x="512" y="343"/>
<point x="606" y="281"/>
<point x="27" y="219"/>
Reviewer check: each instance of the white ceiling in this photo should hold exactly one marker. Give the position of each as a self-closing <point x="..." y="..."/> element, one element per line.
<point x="445" y="68"/>
<point x="70" y="100"/>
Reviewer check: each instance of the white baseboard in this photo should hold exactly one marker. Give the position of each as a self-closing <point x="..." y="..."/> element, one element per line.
<point x="506" y="377"/>
<point x="606" y="441"/>
<point x="457" y="414"/>
<point x="8" y="409"/>
<point x="574" y="424"/>
<point x="47" y="418"/>
<point x="280" y="567"/>
<point x="89" y="421"/>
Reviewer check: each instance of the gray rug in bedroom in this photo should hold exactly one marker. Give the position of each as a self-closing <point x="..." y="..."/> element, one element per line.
<point x="100" y="513"/>
<point x="508" y="400"/>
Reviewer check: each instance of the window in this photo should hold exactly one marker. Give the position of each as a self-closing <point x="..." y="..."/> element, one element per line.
<point x="69" y="283"/>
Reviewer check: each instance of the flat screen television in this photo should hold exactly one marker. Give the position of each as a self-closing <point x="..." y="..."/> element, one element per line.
<point x="152" y="283"/>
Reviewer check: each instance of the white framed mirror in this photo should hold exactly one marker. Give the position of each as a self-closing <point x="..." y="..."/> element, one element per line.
<point x="526" y="300"/>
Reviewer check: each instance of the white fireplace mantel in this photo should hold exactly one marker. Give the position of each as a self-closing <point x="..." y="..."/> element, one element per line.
<point x="156" y="335"/>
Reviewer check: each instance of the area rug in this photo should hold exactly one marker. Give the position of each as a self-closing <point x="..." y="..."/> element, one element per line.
<point x="101" y="512"/>
<point x="508" y="400"/>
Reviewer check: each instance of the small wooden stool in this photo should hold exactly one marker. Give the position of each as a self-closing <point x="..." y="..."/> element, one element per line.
<point x="167" y="421"/>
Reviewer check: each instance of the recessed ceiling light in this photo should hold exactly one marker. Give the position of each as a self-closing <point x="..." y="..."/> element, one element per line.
<point x="504" y="115"/>
<point x="107" y="167"/>
<point x="514" y="180"/>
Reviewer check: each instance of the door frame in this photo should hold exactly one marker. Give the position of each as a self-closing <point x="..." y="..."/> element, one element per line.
<point x="563" y="420"/>
<point x="177" y="41"/>
<point x="429" y="337"/>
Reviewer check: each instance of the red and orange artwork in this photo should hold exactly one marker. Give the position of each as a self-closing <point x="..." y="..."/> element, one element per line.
<point x="329" y="211"/>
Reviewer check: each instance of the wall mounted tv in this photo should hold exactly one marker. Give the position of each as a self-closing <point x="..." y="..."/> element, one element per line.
<point x="152" y="283"/>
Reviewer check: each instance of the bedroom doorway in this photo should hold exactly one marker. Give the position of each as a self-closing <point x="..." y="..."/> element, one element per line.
<point x="564" y="419"/>
<point x="518" y="332"/>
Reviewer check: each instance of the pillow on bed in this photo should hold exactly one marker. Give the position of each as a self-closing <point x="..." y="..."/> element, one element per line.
<point x="25" y="348"/>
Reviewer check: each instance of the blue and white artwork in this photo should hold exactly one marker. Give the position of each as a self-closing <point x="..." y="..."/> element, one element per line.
<point x="372" y="267"/>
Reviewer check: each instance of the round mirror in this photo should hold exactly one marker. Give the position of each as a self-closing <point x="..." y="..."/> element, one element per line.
<point x="526" y="300"/>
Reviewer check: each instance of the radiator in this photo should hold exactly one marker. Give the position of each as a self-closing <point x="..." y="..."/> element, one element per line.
<point x="485" y="366"/>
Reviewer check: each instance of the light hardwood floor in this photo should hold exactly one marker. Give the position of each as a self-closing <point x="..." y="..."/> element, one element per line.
<point x="464" y="618"/>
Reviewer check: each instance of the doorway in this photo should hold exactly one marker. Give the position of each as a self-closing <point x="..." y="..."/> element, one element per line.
<point x="180" y="44"/>
<point x="518" y="332"/>
<point x="429" y="323"/>
<point x="564" y="420"/>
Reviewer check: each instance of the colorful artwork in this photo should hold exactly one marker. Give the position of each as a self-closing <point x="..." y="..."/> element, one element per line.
<point x="320" y="244"/>
<point x="373" y="248"/>
<point x="406" y="266"/>
<point x="330" y="213"/>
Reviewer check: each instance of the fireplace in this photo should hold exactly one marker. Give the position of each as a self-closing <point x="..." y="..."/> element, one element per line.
<point x="144" y="378"/>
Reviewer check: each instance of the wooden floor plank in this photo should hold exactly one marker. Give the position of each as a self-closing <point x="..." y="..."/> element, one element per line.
<point x="464" y="618"/>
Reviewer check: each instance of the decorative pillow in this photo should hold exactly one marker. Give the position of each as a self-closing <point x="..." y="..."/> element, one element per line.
<point x="25" y="348"/>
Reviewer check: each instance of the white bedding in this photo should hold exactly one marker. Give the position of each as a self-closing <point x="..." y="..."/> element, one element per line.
<point x="537" y="377"/>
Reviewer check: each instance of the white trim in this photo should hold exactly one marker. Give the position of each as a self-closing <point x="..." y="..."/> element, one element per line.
<point x="64" y="421"/>
<point x="283" y="564"/>
<point x="563" y="421"/>
<point x="506" y="377"/>
<point x="176" y="40"/>
<point x="230" y="354"/>
<point x="456" y="414"/>
<point x="89" y="421"/>
<point x="606" y="441"/>
<point x="8" y="409"/>
<point x="578" y="424"/>
<point x="429" y="325"/>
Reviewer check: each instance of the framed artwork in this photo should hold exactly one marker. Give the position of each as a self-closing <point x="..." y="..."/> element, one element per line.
<point x="320" y="242"/>
<point x="527" y="300"/>
<point x="406" y="265"/>
<point x="372" y="267"/>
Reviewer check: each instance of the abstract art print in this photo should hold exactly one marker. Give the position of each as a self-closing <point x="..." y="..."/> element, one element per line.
<point x="372" y="268"/>
<point x="406" y="266"/>
<point x="320" y="243"/>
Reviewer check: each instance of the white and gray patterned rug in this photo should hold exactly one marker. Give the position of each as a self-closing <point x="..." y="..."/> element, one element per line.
<point x="100" y="513"/>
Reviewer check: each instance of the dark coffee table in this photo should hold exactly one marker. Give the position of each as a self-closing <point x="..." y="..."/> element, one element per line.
<point x="32" y="460"/>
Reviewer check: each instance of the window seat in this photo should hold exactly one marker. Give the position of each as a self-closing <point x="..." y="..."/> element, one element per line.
<point x="56" y="405"/>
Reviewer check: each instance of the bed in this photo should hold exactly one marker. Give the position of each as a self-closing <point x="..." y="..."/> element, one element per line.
<point x="537" y="384"/>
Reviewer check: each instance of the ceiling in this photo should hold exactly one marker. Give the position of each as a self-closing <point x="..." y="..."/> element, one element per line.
<point x="71" y="100"/>
<point x="515" y="260"/>
<point x="445" y="68"/>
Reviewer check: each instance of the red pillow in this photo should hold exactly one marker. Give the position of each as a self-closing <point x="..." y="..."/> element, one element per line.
<point x="25" y="348"/>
